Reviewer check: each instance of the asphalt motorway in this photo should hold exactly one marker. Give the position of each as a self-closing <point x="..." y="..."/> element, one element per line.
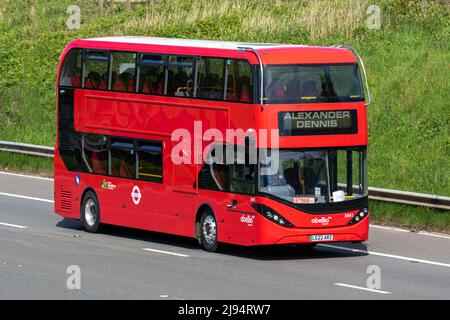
<point x="38" y="248"/>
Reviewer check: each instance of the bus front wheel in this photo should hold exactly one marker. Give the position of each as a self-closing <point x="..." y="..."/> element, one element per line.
<point x="208" y="231"/>
<point x="90" y="212"/>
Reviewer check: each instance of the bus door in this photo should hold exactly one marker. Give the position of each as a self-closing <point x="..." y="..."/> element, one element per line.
<point x="181" y="210"/>
<point x="239" y="217"/>
<point x="135" y="185"/>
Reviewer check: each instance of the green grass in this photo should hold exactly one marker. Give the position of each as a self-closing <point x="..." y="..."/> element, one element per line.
<point x="407" y="62"/>
<point x="409" y="217"/>
<point x="16" y="162"/>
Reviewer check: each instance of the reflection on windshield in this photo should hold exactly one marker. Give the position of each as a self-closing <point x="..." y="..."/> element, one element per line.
<point x="313" y="83"/>
<point x="317" y="176"/>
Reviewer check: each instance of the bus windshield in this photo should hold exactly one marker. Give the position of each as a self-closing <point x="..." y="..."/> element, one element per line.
<point x="316" y="176"/>
<point x="289" y="84"/>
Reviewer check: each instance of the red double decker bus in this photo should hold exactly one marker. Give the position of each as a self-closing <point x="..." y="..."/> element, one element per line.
<point x="132" y="112"/>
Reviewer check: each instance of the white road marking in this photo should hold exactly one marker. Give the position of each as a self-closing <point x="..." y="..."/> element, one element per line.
<point x="167" y="252"/>
<point x="25" y="197"/>
<point x="12" y="225"/>
<point x="361" y="288"/>
<point x="387" y="255"/>
<point x="424" y="233"/>
<point x="166" y="296"/>
<point x="25" y="176"/>
<point x="389" y="228"/>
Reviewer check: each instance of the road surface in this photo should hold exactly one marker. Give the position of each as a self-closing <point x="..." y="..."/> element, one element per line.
<point x="37" y="247"/>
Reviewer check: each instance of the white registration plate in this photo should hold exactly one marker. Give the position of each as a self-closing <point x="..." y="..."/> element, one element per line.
<point x="321" y="237"/>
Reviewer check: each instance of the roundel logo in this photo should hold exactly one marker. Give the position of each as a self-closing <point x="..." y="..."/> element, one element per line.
<point x="136" y="195"/>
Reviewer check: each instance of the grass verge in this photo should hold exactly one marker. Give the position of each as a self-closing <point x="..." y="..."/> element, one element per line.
<point x="16" y="162"/>
<point x="409" y="217"/>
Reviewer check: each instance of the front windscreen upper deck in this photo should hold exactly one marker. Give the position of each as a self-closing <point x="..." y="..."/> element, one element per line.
<point x="292" y="84"/>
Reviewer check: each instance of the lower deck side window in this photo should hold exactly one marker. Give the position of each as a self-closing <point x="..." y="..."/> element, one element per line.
<point x="95" y="154"/>
<point x="123" y="158"/>
<point x="237" y="177"/>
<point x="150" y="162"/>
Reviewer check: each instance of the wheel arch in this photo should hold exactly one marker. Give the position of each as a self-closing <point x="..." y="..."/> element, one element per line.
<point x="84" y="194"/>
<point x="201" y="209"/>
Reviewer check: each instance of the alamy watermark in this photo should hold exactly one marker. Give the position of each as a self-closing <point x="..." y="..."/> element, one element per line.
<point x="374" y="280"/>
<point x="73" y="281"/>
<point x="373" y="21"/>
<point x="238" y="146"/>
<point x="74" y="20"/>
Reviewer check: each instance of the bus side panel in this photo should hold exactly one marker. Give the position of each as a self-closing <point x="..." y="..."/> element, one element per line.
<point x="66" y="195"/>
<point x="233" y="226"/>
<point x="149" y="115"/>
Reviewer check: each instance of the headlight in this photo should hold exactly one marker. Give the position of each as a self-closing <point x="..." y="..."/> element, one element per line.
<point x="271" y="215"/>
<point x="359" y="216"/>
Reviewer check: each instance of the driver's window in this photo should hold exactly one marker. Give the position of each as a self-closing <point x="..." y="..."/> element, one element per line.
<point x="312" y="175"/>
<point x="277" y="183"/>
<point x="221" y="176"/>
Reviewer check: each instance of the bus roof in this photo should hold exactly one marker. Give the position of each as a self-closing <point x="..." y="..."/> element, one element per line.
<point x="230" y="45"/>
<point x="270" y="53"/>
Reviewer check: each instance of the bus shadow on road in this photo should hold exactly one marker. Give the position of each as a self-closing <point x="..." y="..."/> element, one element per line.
<point x="278" y="252"/>
<point x="292" y="252"/>
<point x="147" y="237"/>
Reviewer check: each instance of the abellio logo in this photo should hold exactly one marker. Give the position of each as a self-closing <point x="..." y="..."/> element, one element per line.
<point x="323" y="220"/>
<point x="247" y="219"/>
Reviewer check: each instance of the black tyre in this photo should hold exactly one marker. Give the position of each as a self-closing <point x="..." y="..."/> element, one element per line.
<point x="90" y="212"/>
<point x="208" y="231"/>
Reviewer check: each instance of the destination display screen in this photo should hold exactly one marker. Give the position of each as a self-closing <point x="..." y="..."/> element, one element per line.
<point x="317" y="122"/>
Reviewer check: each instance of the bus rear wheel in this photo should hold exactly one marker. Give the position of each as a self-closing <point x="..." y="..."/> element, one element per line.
<point x="90" y="212"/>
<point x="208" y="231"/>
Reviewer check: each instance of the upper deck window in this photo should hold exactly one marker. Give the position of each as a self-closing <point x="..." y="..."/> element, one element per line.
<point x="96" y="69"/>
<point x="152" y="74"/>
<point x="239" y="86"/>
<point x="210" y="78"/>
<point x="180" y="76"/>
<point x="123" y="71"/>
<point x="313" y="84"/>
<point x="71" y="70"/>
